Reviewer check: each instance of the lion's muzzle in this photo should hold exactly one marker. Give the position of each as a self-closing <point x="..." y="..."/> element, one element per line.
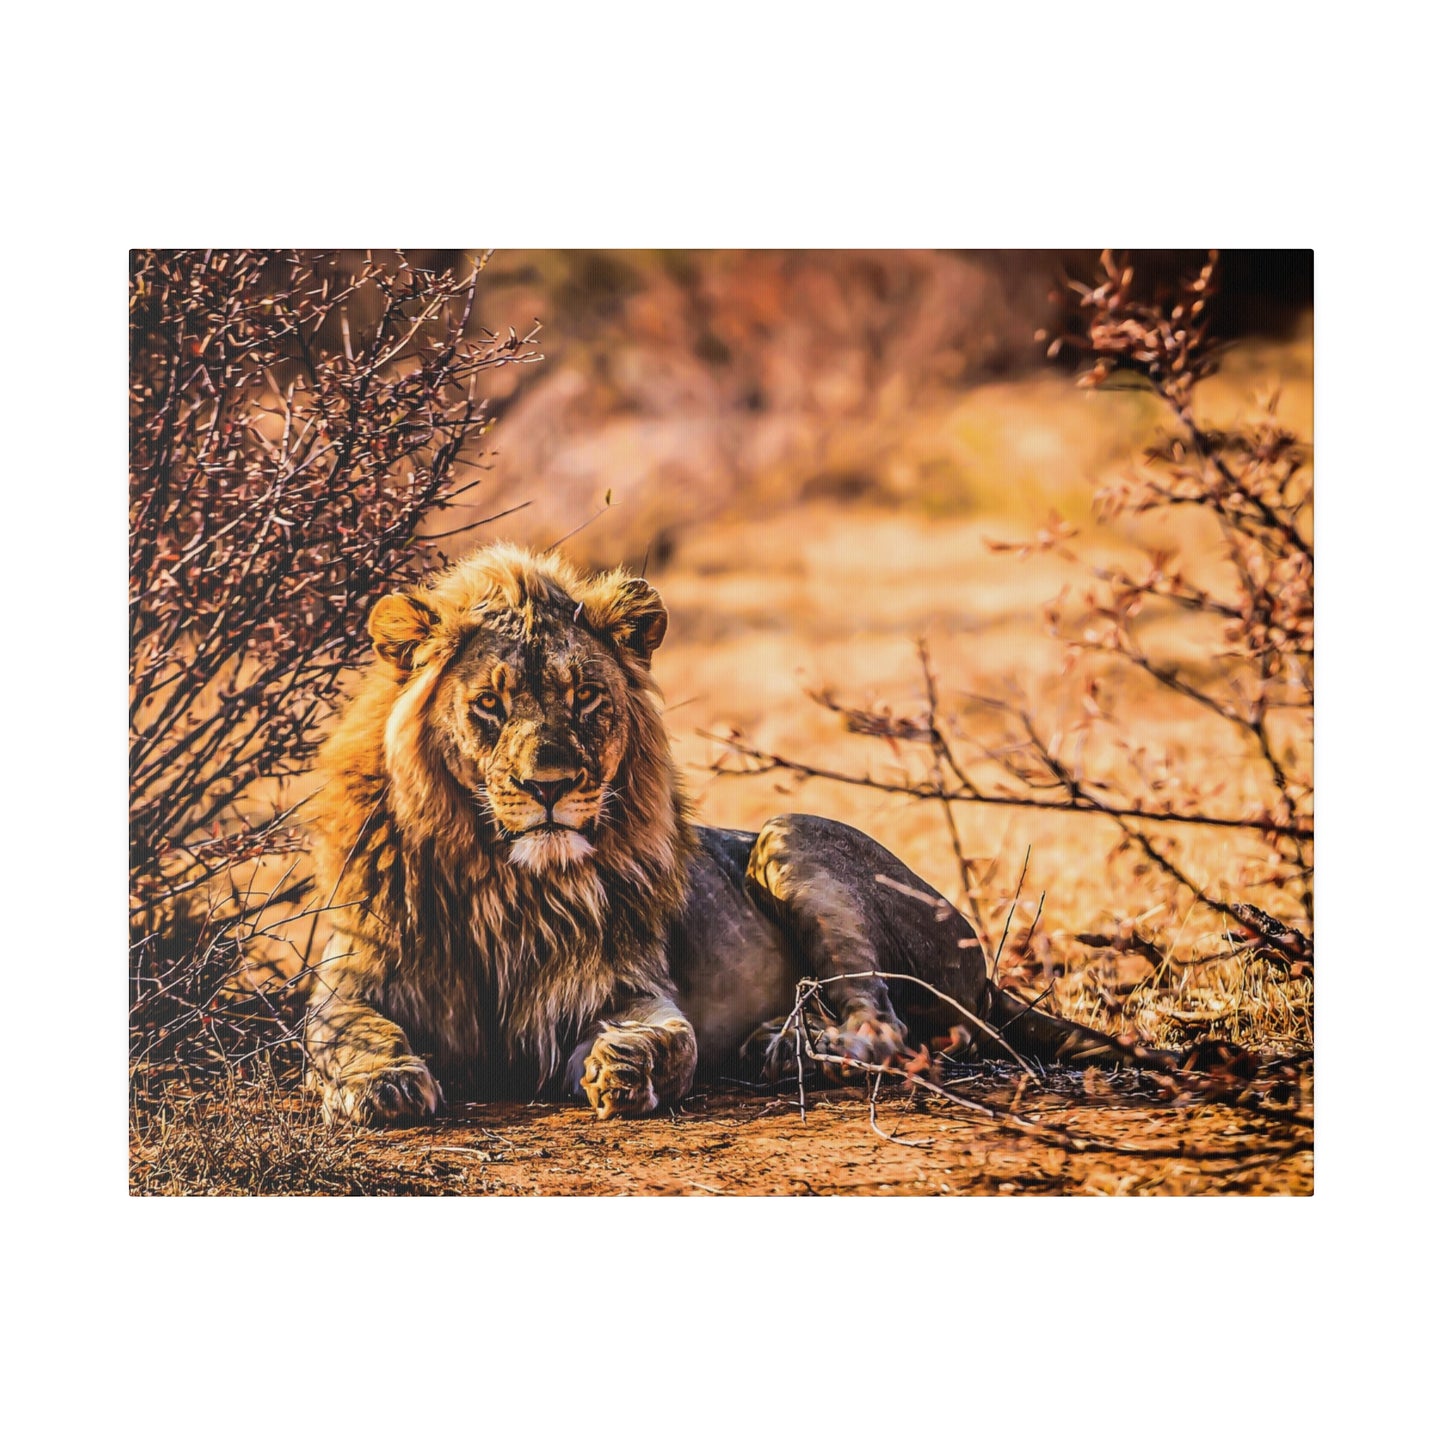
<point x="548" y="791"/>
<point x="546" y="815"/>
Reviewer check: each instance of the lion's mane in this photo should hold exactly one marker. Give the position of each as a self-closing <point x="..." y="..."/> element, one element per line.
<point x="481" y="959"/>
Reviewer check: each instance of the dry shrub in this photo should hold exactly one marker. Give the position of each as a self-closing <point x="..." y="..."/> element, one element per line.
<point x="282" y="464"/>
<point x="297" y="421"/>
<point x="238" y="1138"/>
<point x="1212" y="631"/>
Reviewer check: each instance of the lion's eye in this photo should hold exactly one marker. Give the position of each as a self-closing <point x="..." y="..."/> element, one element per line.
<point x="488" y="704"/>
<point x="587" y="697"/>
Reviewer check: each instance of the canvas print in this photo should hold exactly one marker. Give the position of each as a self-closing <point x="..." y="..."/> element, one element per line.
<point x="721" y="723"/>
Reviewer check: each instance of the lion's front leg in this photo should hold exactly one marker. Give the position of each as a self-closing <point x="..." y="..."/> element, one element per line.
<point x="367" y="1069"/>
<point x="642" y="1058"/>
<point x="362" y="1060"/>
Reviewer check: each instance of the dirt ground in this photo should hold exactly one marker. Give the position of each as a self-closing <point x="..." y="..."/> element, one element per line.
<point x="727" y="1141"/>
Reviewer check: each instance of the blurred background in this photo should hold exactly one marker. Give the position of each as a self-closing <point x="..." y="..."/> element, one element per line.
<point x="709" y="387"/>
<point x="811" y="453"/>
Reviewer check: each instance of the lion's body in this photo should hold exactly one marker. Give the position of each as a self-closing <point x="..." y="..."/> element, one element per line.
<point x="516" y="897"/>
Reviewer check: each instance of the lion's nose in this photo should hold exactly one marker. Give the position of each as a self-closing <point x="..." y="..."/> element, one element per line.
<point x="548" y="791"/>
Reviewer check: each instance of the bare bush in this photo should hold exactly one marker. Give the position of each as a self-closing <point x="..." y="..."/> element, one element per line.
<point x="295" y="418"/>
<point x="1245" y="608"/>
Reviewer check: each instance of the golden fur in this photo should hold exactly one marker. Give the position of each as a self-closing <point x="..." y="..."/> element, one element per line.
<point x="482" y="926"/>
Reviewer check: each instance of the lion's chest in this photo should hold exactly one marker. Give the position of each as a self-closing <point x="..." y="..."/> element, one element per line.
<point x="495" y="990"/>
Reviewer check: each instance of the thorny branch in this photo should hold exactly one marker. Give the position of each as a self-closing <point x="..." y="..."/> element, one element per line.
<point x="1254" y="482"/>
<point x="915" y="1073"/>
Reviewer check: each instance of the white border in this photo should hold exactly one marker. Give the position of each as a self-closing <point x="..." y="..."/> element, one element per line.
<point x="746" y="124"/>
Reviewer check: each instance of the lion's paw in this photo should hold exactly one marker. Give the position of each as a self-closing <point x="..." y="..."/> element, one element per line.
<point x="617" y="1075"/>
<point x="865" y="1038"/>
<point x="397" y="1093"/>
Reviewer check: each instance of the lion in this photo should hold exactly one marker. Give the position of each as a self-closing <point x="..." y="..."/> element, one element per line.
<point x="519" y="902"/>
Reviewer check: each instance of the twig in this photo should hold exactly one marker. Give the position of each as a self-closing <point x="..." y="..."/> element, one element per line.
<point x="1056" y="1136"/>
<point x="1088" y="806"/>
<point x="1003" y="938"/>
<point x="815" y="986"/>
<point x="472" y="526"/>
<point x="873" y="1121"/>
<point x="580" y="527"/>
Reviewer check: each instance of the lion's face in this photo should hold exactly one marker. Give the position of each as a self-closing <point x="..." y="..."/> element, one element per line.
<point x="536" y="728"/>
<point x="527" y="694"/>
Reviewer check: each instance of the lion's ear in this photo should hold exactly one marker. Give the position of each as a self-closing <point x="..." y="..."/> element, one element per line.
<point x="398" y="625"/>
<point x="630" y="610"/>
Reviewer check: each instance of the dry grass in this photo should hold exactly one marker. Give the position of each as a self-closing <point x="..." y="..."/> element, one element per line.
<point x="1245" y="998"/>
<point x="259" y="1138"/>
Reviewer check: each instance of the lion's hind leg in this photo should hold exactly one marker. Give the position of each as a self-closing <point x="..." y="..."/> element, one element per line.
<point x="848" y="907"/>
<point x="817" y="880"/>
<point x="851" y="911"/>
<point x="836" y="1046"/>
